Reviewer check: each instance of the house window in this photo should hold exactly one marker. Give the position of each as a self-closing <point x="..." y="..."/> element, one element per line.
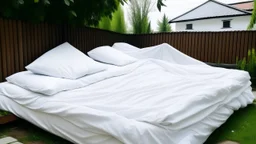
<point x="226" y="23"/>
<point x="189" y="26"/>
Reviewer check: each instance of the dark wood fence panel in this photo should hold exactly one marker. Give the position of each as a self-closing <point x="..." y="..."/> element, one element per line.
<point x="22" y="42"/>
<point x="86" y="39"/>
<point x="216" y="47"/>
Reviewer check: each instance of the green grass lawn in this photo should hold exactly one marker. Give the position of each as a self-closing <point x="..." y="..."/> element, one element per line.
<point x="240" y="127"/>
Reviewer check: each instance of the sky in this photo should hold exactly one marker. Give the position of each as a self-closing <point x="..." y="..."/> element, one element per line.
<point x="173" y="9"/>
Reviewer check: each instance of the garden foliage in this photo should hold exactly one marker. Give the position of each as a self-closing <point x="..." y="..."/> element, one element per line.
<point x="139" y="16"/>
<point x="163" y="25"/>
<point x="248" y="64"/>
<point x="78" y="12"/>
<point x="253" y="17"/>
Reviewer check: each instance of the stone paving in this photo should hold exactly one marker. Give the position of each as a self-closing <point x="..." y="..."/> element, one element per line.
<point x="9" y="140"/>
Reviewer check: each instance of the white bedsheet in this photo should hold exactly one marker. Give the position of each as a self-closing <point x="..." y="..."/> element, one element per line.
<point x="55" y="124"/>
<point x="195" y="134"/>
<point x="162" y="52"/>
<point x="153" y="102"/>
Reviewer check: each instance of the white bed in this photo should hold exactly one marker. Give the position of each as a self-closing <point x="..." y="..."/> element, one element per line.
<point x="150" y="101"/>
<point x="196" y="134"/>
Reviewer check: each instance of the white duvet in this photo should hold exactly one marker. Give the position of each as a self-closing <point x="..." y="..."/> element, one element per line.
<point x="150" y="101"/>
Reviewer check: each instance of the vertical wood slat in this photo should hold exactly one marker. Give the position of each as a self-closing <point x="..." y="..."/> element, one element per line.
<point x="224" y="47"/>
<point x="195" y="48"/>
<point x="242" y="45"/>
<point x="29" y="41"/>
<point x="239" y="50"/>
<point x="24" y="43"/>
<point x="206" y="47"/>
<point x="209" y="50"/>
<point x="200" y="46"/>
<point x="1" y="48"/>
<point x="15" y="46"/>
<point x="20" y="45"/>
<point x="230" y="49"/>
<point x="203" y="54"/>
<point x="235" y="45"/>
<point x="246" y="43"/>
<point x="220" y="38"/>
<point x="7" y="50"/>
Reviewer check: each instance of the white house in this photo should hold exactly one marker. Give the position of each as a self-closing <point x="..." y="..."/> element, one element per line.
<point x="215" y="16"/>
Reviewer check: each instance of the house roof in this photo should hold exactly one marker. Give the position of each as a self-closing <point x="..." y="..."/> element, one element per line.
<point x="246" y="5"/>
<point x="218" y="10"/>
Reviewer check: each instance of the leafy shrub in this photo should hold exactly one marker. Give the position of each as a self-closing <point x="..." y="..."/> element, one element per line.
<point x="253" y="17"/>
<point x="105" y="23"/>
<point x="163" y="25"/>
<point x="248" y="64"/>
<point x="139" y="16"/>
<point x="118" y="22"/>
<point x="78" y="12"/>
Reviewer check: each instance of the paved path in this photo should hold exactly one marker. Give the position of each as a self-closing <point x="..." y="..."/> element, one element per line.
<point x="9" y="140"/>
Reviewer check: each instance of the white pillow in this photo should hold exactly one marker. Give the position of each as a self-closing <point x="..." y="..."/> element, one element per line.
<point x="110" y="55"/>
<point x="41" y="84"/>
<point x="65" y="61"/>
<point x="125" y="47"/>
<point x="51" y="85"/>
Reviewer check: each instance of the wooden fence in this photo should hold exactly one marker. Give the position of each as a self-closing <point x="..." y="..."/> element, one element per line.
<point x="22" y="42"/>
<point x="213" y="47"/>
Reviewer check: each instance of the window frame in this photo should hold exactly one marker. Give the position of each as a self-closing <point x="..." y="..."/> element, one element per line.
<point x="190" y="24"/>
<point x="223" y="24"/>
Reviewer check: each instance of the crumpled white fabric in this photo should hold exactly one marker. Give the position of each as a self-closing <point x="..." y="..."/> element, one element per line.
<point x="152" y="102"/>
<point x="162" y="52"/>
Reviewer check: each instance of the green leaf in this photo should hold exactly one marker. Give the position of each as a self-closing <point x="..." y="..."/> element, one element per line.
<point x="123" y="2"/>
<point x="253" y="18"/>
<point x="67" y="2"/>
<point x="36" y="1"/>
<point x="47" y="2"/>
<point x="72" y="1"/>
<point x="160" y="4"/>
<point x="73" y="13"/>
<point x="21" y="2"/>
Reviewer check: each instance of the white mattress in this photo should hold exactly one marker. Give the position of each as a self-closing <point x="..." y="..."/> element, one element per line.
<point x="151" y="101"/>
<point x="55" y="124"/>
<point x="195" y="134"/>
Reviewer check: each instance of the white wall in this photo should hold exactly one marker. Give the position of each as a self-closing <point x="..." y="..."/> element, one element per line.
<point x="237" y="23"/>
<point x="209" y="9"/>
